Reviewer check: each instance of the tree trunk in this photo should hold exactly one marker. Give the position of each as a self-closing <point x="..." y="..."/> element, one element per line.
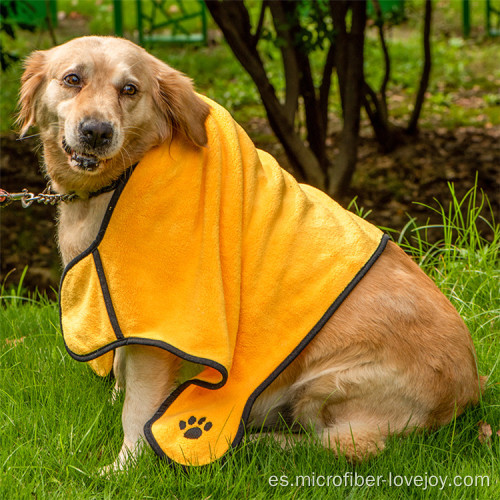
<point x="426" y="71"/>
<point x="286" y="12"/>
<point x="388" y="135"/>
<point x="349" y="63"/>
<point x="233" y="19"/>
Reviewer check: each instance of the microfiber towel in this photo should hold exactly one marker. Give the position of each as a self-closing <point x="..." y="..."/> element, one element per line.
<point x="219" y="256"/>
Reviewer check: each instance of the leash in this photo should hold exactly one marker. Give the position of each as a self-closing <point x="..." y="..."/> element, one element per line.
<point x="48" y="197"/>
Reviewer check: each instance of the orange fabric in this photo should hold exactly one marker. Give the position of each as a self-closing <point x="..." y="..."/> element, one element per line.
<point x="220" y="256"/>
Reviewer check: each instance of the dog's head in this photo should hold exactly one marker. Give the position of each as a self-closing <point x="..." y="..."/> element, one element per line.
<point x="102" y="102"/>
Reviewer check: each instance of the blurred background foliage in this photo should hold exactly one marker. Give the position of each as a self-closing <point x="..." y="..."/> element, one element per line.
<point x="459" y="64"/>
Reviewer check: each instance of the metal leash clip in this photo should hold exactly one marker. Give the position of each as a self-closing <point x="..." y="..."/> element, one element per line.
<point x="7" y="198"/>
<point x="27" y="198"/>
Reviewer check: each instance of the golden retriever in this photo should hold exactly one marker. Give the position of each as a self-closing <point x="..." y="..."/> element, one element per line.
<point x="395" y="356"/>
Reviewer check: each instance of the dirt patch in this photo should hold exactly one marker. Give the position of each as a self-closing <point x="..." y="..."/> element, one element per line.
<point x="26" y="235"/>
<point x="388" y="185"/>
<point x="419" y="172"/>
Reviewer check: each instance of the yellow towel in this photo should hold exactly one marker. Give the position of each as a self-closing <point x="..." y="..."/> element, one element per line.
<point x="219" y="256"/>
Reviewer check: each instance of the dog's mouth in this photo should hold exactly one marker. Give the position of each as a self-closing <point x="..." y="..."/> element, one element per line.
<point x="81" y="161"/>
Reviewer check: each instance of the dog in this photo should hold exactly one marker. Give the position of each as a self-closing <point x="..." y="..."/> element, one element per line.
<point x="394" y="357"/>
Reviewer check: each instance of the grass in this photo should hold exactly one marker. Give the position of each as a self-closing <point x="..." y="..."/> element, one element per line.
<point x="59" y="426"/>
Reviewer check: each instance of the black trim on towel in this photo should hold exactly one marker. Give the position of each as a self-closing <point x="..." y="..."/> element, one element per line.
<point x="251" y="400"/>
<point x="106" y="295"/>
<point x="163" y="345"/>
<point x="104" y="224"/>
<point x="121" y="183"/>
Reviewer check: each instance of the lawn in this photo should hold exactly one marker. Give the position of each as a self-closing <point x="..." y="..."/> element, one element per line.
<point x="59" y="426"/>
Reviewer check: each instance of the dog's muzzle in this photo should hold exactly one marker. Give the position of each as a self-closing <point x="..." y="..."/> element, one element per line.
<point x="94" y="139"/>
<point x="81" y="161"/>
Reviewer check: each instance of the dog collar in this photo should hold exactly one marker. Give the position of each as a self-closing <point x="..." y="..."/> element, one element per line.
<point x="105" y="189"/>
<point x="109" y="187"/>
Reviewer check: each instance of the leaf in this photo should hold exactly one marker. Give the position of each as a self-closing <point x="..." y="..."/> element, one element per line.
<point x="485" y="433"/>
<point x="14" y="342"/>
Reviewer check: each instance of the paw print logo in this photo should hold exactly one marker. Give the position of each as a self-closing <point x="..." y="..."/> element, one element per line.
<point x="195" y="429"/>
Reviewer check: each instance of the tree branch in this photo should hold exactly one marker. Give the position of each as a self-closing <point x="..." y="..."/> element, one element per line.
<point x="387" y="134"/>
<point x="387" y="60"/>
<point x="326" y="81"/>
<point x="338" y="10"/>
<point x="234" y="21"/>
<point x="290" y="62"/>
<point x="285" y="12"/>
<point x="258" y="30"/>
<point x="373" y="97"/>
<point x="349" y="50"/>
<point x="424" y="80"/>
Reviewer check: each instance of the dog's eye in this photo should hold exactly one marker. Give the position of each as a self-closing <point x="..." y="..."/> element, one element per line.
<point x="129" y="89"/>
<point x="72" y="80"/>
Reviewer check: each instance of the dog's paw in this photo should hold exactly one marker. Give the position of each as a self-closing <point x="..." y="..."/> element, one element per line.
<point x="195" y="428"/>
<point x="112" y="469"/>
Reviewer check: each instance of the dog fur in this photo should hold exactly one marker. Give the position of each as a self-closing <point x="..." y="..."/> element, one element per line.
<point x="395" y="356"/>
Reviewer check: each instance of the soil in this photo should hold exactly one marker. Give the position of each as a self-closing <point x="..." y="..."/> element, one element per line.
<point x="387" y="184"/>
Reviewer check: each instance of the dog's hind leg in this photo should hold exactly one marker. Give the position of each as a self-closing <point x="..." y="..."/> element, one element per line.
<point x="149" y="374"/>
<point x="354" y="409"/>
<point x="354" y="440"/>
<point x="357" y="441"/>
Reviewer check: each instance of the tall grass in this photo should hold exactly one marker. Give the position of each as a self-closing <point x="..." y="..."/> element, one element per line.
<point x="59" y="426"/>
<point x="465" y="261"/>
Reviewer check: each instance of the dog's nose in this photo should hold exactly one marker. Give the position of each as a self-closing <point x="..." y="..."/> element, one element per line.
<point x="96" y="134"/>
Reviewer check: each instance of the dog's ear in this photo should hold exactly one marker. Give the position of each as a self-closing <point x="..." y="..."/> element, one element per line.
<point x="183" y="109"/>
<point x="31" y="82"/>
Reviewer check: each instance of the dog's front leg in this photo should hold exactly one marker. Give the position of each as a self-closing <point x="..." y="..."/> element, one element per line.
<point x="119" y="373"/>
<point x="149" y="374"/>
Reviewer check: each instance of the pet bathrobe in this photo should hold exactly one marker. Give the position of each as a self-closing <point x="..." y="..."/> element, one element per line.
<point x="219" y="256"/>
